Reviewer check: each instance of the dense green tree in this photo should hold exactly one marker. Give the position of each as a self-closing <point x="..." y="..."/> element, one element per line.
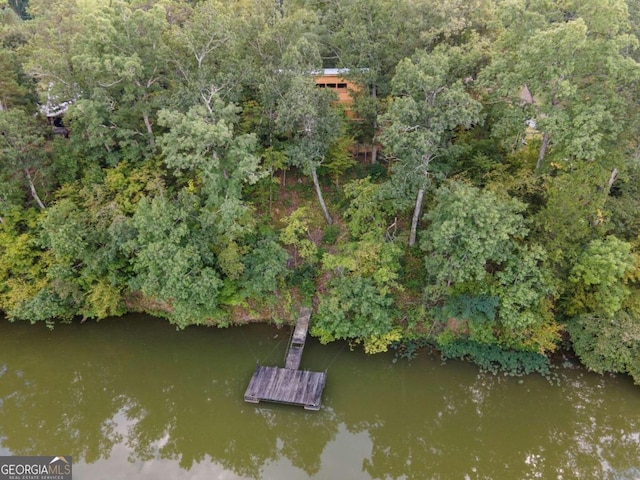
<point x="203" y="146"/>
<point x="597" y="283"/>
<point x="367" y="210"/>
<point x="86" y="265"/>
<point x="429" y="104"/>
<point x="358" y="305"/>
<point x="567" y="67"/>
<point x="296" y="234"/>
<point x="207" y="52"/>
<point x="174" y="263"/>
<point x="117" y="61"/>
<point x="23" y="269"/>
<point x="495" y="290"/>
<point x="363" y="273"/>
<point x="572" y="214"/>
<point x="369" y="38"/>
<point x="470" y="233"/>
<point x="265" y="267"/>
<point x="83" y="237"/>
<point x="14" y="87"/>
<point x="608" y="343"/>
<point x="23" y="158"/>
<point x="279" y="47"/>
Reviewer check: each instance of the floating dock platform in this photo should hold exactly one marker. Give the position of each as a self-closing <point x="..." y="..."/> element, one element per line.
<point x="284" y="385"/>
<point x="289" y="385"/>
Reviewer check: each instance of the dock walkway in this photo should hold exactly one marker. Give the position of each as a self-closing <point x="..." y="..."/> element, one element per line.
<point x="289" y="385"/>
<point x="298" y="339"/>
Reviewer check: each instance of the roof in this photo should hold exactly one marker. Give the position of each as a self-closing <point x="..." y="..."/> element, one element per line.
<point x="330" y="72"/>
<point x="327" y="72"/>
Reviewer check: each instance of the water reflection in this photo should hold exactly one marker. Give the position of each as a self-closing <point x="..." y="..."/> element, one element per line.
<point x="132" y="398"/>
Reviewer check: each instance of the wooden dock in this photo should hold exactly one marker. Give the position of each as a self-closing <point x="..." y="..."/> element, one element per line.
<point x="289" y="385"/>
<point x="298" y="339"/>
<point x="284" y="385"/>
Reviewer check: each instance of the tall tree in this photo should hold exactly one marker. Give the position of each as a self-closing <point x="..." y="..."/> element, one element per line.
<point x="358" y="304"/>
<point x="573" y="60"/>
<point x="15" y="87"/>
<point x="306" y="113"/>
<point x="116" y="60"/>
<point x="207" y="51"/>
<point x="205" y="148"/>
<point x="174" y="264"/>
<point x="429" y="103"/>
<point x="23" y="156"/>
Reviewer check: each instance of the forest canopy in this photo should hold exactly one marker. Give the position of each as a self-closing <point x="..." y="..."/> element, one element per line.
<point x="478" y="192"/>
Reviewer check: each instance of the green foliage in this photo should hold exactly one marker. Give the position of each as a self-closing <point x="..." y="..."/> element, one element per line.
<point x="331" y="234"/>
<point x="480" y="308"/>
<point x="569" y="218"/>
<point x="471" y="232"/>
<point x="265" y="267"/>
<point x="526" y="289"/>
<point x="475" y="263"/>
<point x="303" y="278"/>
<point x="230" y="261"/>
<point x="88" y="267"/>
<point x="598" y="280"/>
<point x="205" y="143"/>
<point x="296" y="233"/>
<point x="358" y="303"/>
<point x="608" y="343"/>
<point x="23" y="157"/>
<point x="408" y="348"/>
<point x="339" y="158"/>
<point x="370" y="258"/>
<point x="173" y="261"/>
<point x="312" y="124"/>
<point x="355" y="310"/>
<point x="23" y="267"/>
<point x="367" y="211"/>
<point x="623" y="205"/>
<point x="380" y="343"/>
<point x="14" y="87"/>
<point x="429" y="104"/>
<point x="493" y="359"/>
<point x="555" y="56"/>
<point x="103" y="300"/>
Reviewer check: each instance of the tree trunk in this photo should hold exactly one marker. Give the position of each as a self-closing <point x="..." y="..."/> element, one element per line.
<point x="147" y="122"/>
<point x="612" y="178"/>
<point x="416" y="218"/>
<point x="374" y="147"/>
<point x="543" y="149"/>
<point x="32" y="187"/>
<point x="325" y="212"/>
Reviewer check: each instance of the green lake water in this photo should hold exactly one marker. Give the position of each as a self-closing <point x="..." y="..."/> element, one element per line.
<point x="132" y="398"/>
